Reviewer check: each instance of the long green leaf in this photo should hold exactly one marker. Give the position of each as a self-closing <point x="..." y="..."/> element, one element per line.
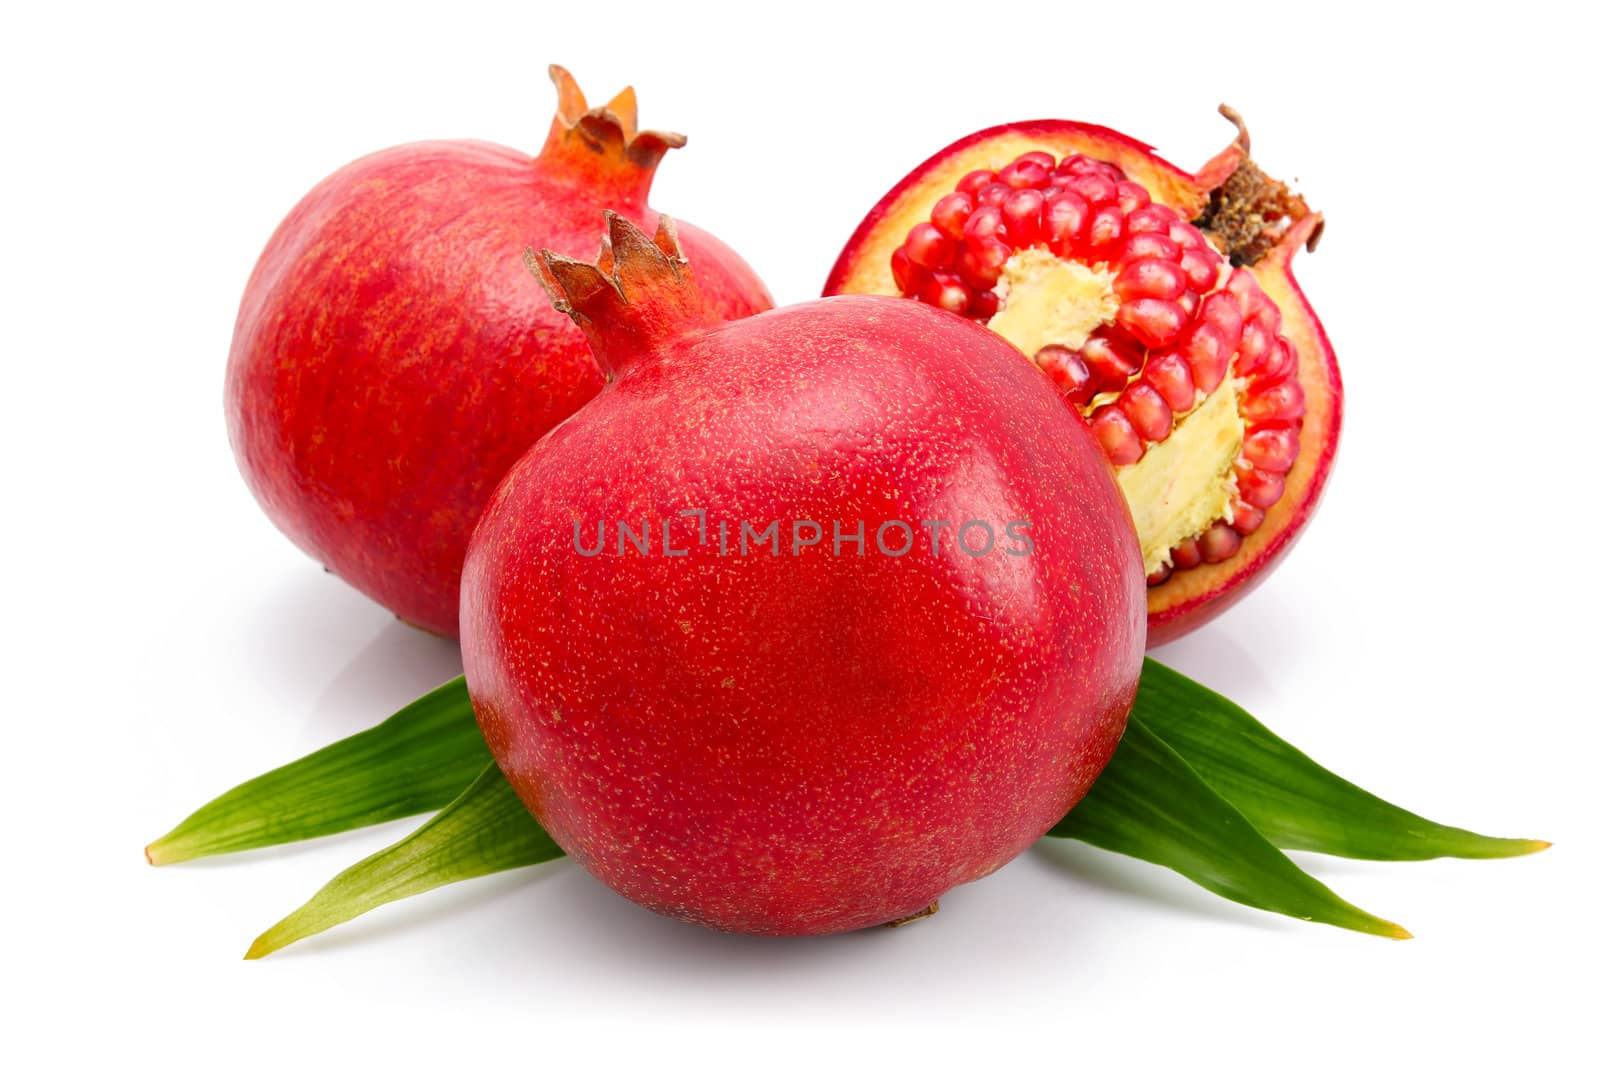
<point x="417" y="760"/>
<point x="484" y="830"/>
<point x="1151" y="805"/>
<point x="1292" y="800"/>
<point x="1198" y="785"/>
<point x="425" y="754"/>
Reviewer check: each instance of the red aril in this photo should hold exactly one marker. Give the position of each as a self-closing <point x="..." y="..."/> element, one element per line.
<point x="392" y="358"/>
<point x="1162" y="306"/>
<point x="807" y="617"/>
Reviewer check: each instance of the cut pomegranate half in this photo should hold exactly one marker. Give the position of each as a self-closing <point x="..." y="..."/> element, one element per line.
<point x="1162" y="305"/>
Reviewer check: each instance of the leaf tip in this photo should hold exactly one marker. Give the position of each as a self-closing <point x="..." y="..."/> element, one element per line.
<point x="260" y="947"/>
<point x="1396" y="932"/>
<point x="1499" y="848"/>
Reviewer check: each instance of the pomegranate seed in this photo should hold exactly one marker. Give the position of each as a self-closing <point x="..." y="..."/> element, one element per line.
<point x="1186" y="556"/>
<point x="1068" y="370"/>
<point x="994" y="194"/>
<point x="950" y="215"/>
<point x="1064" y="222"/>
<point x="984" y="305"/>
<point x="1222" y="310"/>
<point x="1150" y="246"/>
<point x="1075" y="165"/>
<point x="904" y="271"/>
<point x="981" y="261"/>
<point x="985" y="222"/>
<point x="1278" y="362"/>
<point x="929" y="248"/>
<point x="1160" y="278"/>
<point x="1170" y="376"/>
<point x="1280" y="403"/>
<point x="1095" y="188"/>
<point x="1255" y="345"/>
<point x="1186" y="236"/>
<point x="1021" y="211"/>
<point x="1153" y="218"/>
<point x="1104" y="233"/>
<point x="1271" y="449"/>
<point x="1200" y="265"/>
<point x="975" y="181"/>
<point x="1025" y="173"/>
<point x="1149" y="414"/>
<point x="1157" y="576"/>
<point x="946" y="292"/>
<point x="1044" y="159"/>
<point x="1156" y="323"/>
<point x="1111" y="362"/>
<point x="1268" y="315"/>
<point x="1242" y="284"/>
<point x="1246" y="519"/>
<point x="1218" y="543"/>
<point x="1131" y="197"/>
<point x="1260" y="489"/>
<point x="1117" y="439"/>
<point x="1207" y="353"/>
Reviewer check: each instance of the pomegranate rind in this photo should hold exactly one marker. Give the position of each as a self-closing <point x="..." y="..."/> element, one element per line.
<point x="391" y="358"/>
<point x="803" y="742"/>
<point x="1190" y="598"/>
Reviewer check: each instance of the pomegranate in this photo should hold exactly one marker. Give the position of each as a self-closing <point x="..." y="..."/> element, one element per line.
<point x="392" y="359"/>
<point x="1162" y="306"/>
<point x="807" y="617"/>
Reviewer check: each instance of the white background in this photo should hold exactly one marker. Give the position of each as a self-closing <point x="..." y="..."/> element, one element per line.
<point x="1432" y="637"/>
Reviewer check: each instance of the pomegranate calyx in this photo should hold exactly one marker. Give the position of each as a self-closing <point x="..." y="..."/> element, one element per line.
<point x="607" y="136"/>
<point x="1220" y="167"/>
<point x="637" y="292"/>
<point x="1249" y="212"/>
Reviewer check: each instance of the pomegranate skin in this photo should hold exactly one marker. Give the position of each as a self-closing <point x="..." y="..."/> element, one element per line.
<point x="392" y="358"/>
<point x="811" y="743"/>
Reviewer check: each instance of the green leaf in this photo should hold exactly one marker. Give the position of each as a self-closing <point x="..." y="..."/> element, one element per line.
<point x="1292" y="800"/>
<point x="417" y="760"/>
<point x="1197" y="785"/>
<point x="484" y="830"/>
<point x="1151" y="805"/>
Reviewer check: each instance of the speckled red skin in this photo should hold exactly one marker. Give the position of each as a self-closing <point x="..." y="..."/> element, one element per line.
<point x="806" y="744"/>
<point x="1189" y="599"/>
<point x="393" y="357"/>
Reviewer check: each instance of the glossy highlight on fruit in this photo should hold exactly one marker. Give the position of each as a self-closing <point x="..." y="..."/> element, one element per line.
<point x="1162" y="306"/>
<point x="807" y="617"/>
<point x="392" y="358"/>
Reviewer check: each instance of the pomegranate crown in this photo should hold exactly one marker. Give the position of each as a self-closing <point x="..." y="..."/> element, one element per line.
<point x="637" y="292"/>
<point x="611" y="131"/>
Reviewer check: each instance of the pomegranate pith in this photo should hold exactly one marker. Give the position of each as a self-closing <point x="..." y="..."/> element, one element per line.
<point x="923" y="671"/>
<point x="391" y="359"/>
<point x="1161" y="305"/>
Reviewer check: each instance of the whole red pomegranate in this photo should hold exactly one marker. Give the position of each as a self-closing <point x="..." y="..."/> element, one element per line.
<point x="392" y="358"/>
<point x="1162" y="305"/>
<point x="807" y="617"/>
